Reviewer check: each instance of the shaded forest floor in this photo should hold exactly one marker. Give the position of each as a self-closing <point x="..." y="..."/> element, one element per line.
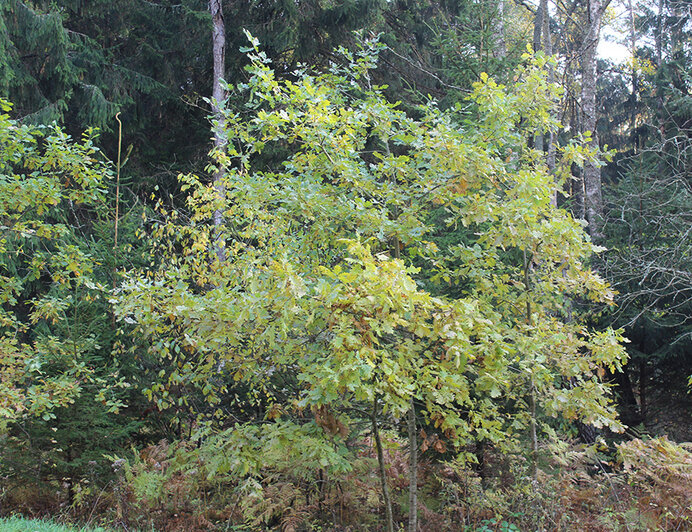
<point x="670" y="409"/>
<point x="651" y="489"/>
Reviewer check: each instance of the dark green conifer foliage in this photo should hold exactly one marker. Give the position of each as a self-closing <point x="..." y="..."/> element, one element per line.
<point x="440" y="47"/>
<point x="295" y="32"/>
<point x="64" y="388"/>
<point x="54" y="70"/>
<point x="649" y="226"/>
<point x="152" y="62"/>
<point x="81" y="62"/>
<point x="36" y="70"/>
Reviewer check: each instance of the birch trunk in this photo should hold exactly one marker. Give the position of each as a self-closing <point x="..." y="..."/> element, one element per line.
<point x="658" y="39"/>
<point x="500" y="50"/>
<point x="593" y="196"/>
<point x="537" y="47"/>
<point x="548" y="46"/>
<point x="635" y="81"/>
<point x="218" y="96"/>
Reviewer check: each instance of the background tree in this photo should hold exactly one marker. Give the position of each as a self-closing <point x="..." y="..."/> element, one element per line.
<point x="593" y="196"/>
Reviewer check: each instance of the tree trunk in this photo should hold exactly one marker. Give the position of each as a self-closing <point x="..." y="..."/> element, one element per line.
<point x="537" y="47"/>
<point x="548" y="46"/>
<point x="413" y="470"/>
<point x="533" y="432"/>
<point x="658" y="44"/>
<point x="412" y="440"/>
<point x="218" y="96"/>
<point x="480" y="467"/>
<point x="643" y="376"/>
<point x="500" y="49"/>
<point x="538" y="26"/>
<point x="574" y="187"/>
<point x="631" y="414"/>
<point x="383" y="473"/>
<point x="633" y="95"/>
<point x="593" y="197"/>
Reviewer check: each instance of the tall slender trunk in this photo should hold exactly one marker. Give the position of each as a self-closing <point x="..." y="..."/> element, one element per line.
<point x="480" y="467"/>
<point x="412" y="440"/>
<point x="643" y="376"/>
<point x="413" y="470"/>
<point x="575" y="189"/>
<point x="633" y="95"/>
<point x="538" y="26"/>
<point x="537" y="47"/>
<point x="548" y="46"/>
<point x="533" y="433"/>
<point x="383" y="473"/>
<point x="593" y="196"/>
<point x="658" y="44"/>
<point x="218" y="96"/>
<point x="631" y="414"/>
<point x="500" y="49"/>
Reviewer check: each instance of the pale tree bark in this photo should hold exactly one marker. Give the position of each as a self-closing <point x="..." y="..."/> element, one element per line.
<point x="500" y="50"/>
<point x="537" y="47"/>
<point x="548" y="46"/>
<point x="218" y="96"/>
<point x="576" y="186"/>
<point x="593" y="196"/>
<point x="635" y="82"/>
<point x="658" y="44"/>
<point x="542" y="40"/>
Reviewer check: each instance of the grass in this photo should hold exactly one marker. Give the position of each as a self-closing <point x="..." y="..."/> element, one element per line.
<point x="20" y="524"/>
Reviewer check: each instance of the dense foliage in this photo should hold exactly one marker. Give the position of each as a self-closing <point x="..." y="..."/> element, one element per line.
<point x="376" y="301"/>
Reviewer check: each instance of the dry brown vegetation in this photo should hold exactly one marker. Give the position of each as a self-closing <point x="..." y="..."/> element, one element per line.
<point x="647" y="487"/>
